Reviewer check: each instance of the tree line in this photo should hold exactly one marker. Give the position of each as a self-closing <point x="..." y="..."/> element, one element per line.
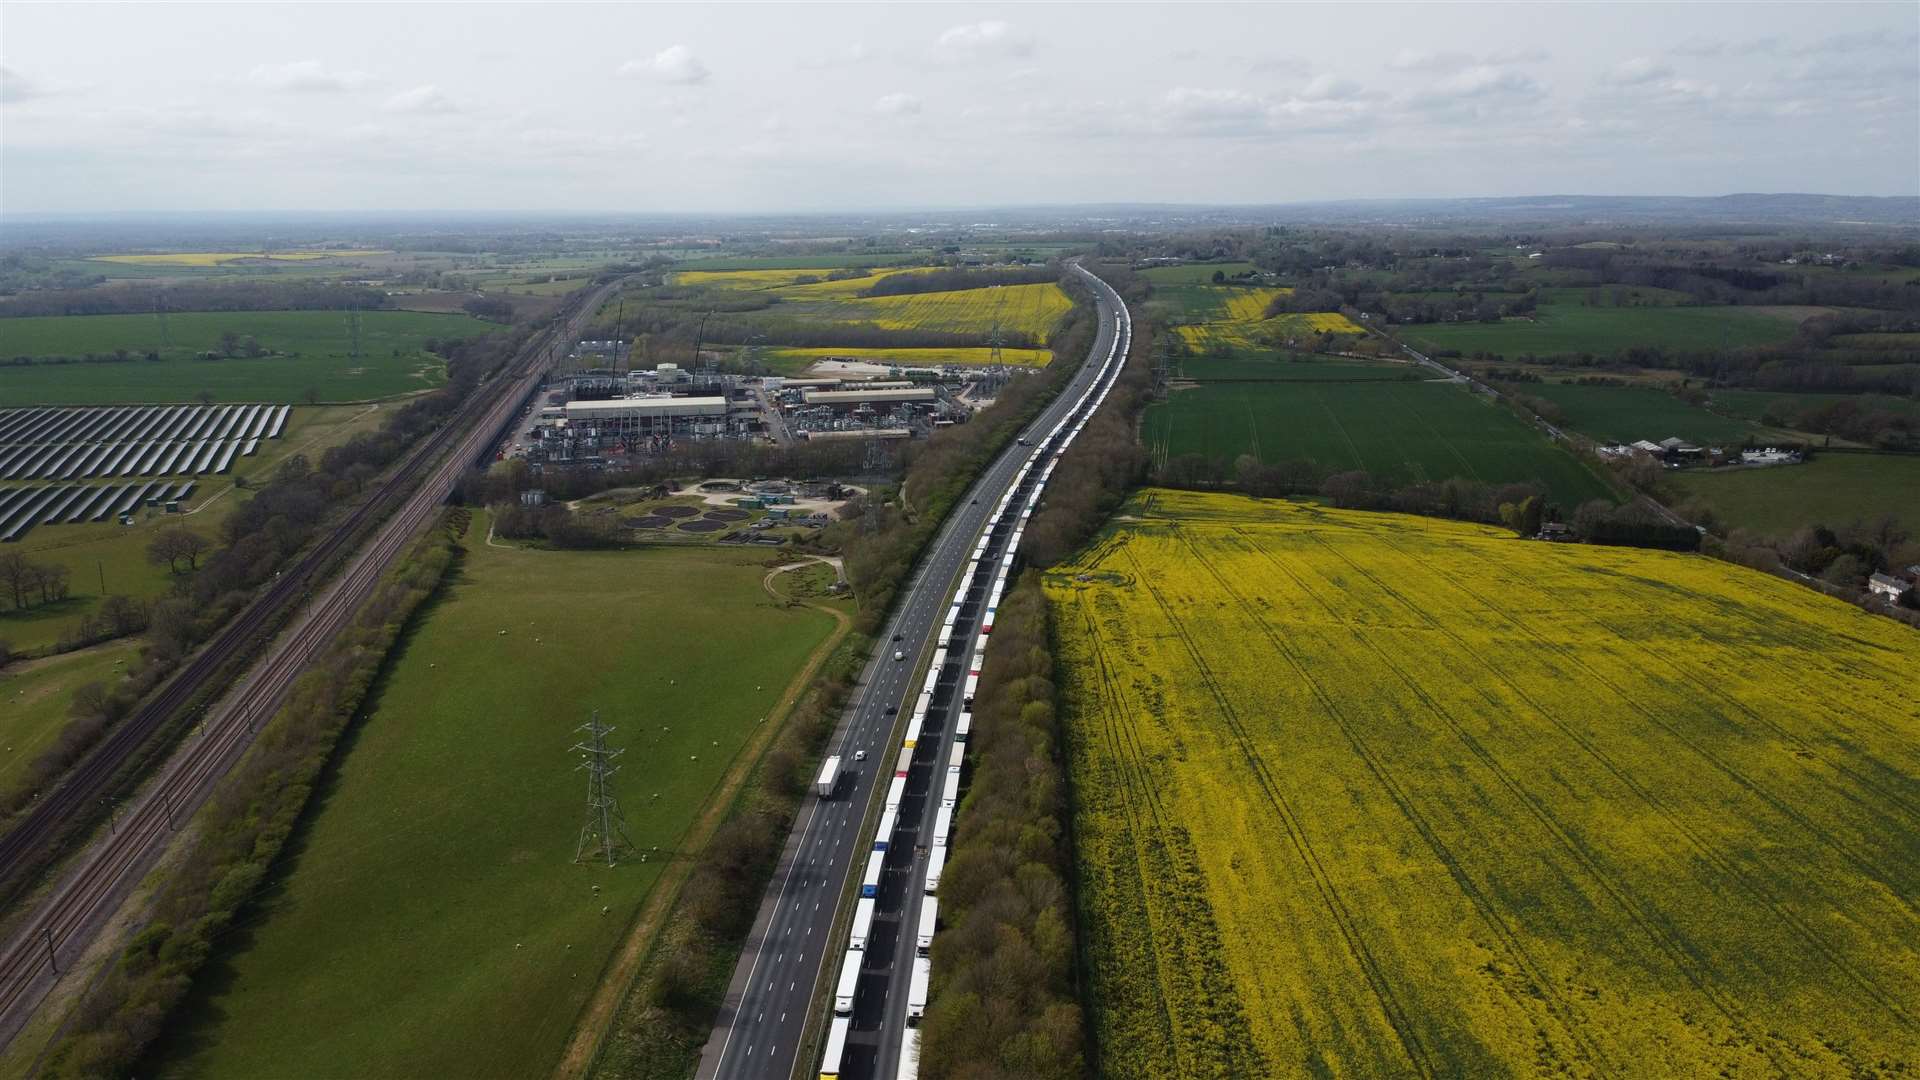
<point x="191" y="296"/>
<point x="1004" y="1001"/>
<point x="959" y="278"/>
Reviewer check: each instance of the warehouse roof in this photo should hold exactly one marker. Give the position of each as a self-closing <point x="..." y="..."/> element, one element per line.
<point x="860" y="397"/>
<point x="617" y="406"/>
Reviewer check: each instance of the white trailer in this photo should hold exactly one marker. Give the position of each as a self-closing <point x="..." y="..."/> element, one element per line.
<point x="936" y="862"/>
<point x="836" y="1048"/>
<point x="870" y="883"/>
<point x="888" y="820"/>
<point x="862" y="923"/>
<point x="962" y="728"/>
<point x="942" y="826"/>
<point x="895" y="792"/>
<point x="909" y="1055"/>
<point x="849" y="981"/>
<point x="929" y="918"/>
<point x="829" y="777"/>
<point x="951" y="795"/>
<point x="917" y="992"/>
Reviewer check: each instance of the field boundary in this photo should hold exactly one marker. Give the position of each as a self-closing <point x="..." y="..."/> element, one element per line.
<point x="617" y="979"/>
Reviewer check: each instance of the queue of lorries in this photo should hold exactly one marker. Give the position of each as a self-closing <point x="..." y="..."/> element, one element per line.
<point x="1046" y="457"/>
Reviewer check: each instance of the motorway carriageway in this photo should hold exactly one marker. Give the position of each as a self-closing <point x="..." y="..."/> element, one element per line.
<point x="770" y="997"/>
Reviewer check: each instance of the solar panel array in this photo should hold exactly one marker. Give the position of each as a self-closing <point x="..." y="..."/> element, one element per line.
<point x="65" y="447"/>
<point x="138" y="440"/>
<point x="22" y="508"/>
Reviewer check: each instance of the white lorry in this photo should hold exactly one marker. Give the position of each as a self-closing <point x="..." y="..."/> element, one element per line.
<point x="829" y="777"/>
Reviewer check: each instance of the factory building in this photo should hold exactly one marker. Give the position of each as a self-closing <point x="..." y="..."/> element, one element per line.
<point x="871" y="399"/>
<point x="647" y="416"/>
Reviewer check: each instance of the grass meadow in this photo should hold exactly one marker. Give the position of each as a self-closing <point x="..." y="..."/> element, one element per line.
<point x="1400" y="432"/>
<point x="1755" y="405"/>
<point x="35" y="694"/>
<point x="1832" y="489"/>
<point x="1372" y="795"/>
<point x="430" y="921"/>
<point x="1269" y="365"/>
<point x="1626" y="413"/>
<point x="392" y="357"/>
<point x="1565" y="328"/>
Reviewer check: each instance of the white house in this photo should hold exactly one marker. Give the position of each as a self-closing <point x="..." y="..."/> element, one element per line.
<point x="1887" y="586"/>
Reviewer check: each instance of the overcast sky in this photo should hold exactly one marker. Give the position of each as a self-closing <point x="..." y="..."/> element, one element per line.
<point x="801" y="107"/>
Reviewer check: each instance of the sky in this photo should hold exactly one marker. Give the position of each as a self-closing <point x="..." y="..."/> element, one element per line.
<point x="801" y="107"/>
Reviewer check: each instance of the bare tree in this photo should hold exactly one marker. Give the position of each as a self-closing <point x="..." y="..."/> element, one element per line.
<point x="16" y="574"/>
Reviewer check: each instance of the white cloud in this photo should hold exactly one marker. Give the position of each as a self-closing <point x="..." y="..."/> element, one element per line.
<point x="1213" y="111"/>
<point x="1480" y="87"/>
<point x="421" y="99"/>
<point x="1638" y="71"/>
<point x="898" y="105"/>
<point x="673" y="64"/>
<point x="16" y="88"/>
<point x="834" y="56"/>
<point x="983" y="38"/>
<point x="1419" y="60"/>
<point x="307" y="76"/>
<point x="1330" y="88"/>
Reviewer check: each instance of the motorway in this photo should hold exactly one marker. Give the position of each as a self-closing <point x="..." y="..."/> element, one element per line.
<point x="770" y="997"/>
<point x="46" y="943"/>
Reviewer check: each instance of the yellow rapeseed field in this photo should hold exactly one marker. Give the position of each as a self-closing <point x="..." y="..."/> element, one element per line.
<point x="217" y="258"/>
<point x="1031" y="309"/>
<point x="923" y="357"/>
<point x="1250" y="305"/>
<point x="812" y="283"/>
<point x="1372" y="795"/>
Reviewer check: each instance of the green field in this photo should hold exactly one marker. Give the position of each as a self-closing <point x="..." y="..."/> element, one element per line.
<point x="1255" y="365"/>
<point x="1627" y="413"/>
<point x="314" y="347"/>
<point x="1756" y="404"/>
<point x="1400" y="432"/>
<point x="431" y="922"/>
<point x="1832" y="489"/>
<point x="1615" y="296"/>
<point x="1192" y="273"/>
<point x="1565" y="328"/>
<point x="34" y="695"/>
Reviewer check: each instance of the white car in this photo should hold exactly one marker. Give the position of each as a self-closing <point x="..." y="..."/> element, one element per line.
<point x="899" y="654"/>
<point x="859" y="755"/>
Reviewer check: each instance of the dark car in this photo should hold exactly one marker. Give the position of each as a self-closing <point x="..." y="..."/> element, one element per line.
<point x="892" y="709"/>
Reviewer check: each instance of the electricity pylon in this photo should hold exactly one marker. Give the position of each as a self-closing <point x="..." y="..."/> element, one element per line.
<point x="606" y="827"/>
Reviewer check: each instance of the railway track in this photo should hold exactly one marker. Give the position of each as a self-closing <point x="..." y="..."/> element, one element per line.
<point x="62" y="926"/>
